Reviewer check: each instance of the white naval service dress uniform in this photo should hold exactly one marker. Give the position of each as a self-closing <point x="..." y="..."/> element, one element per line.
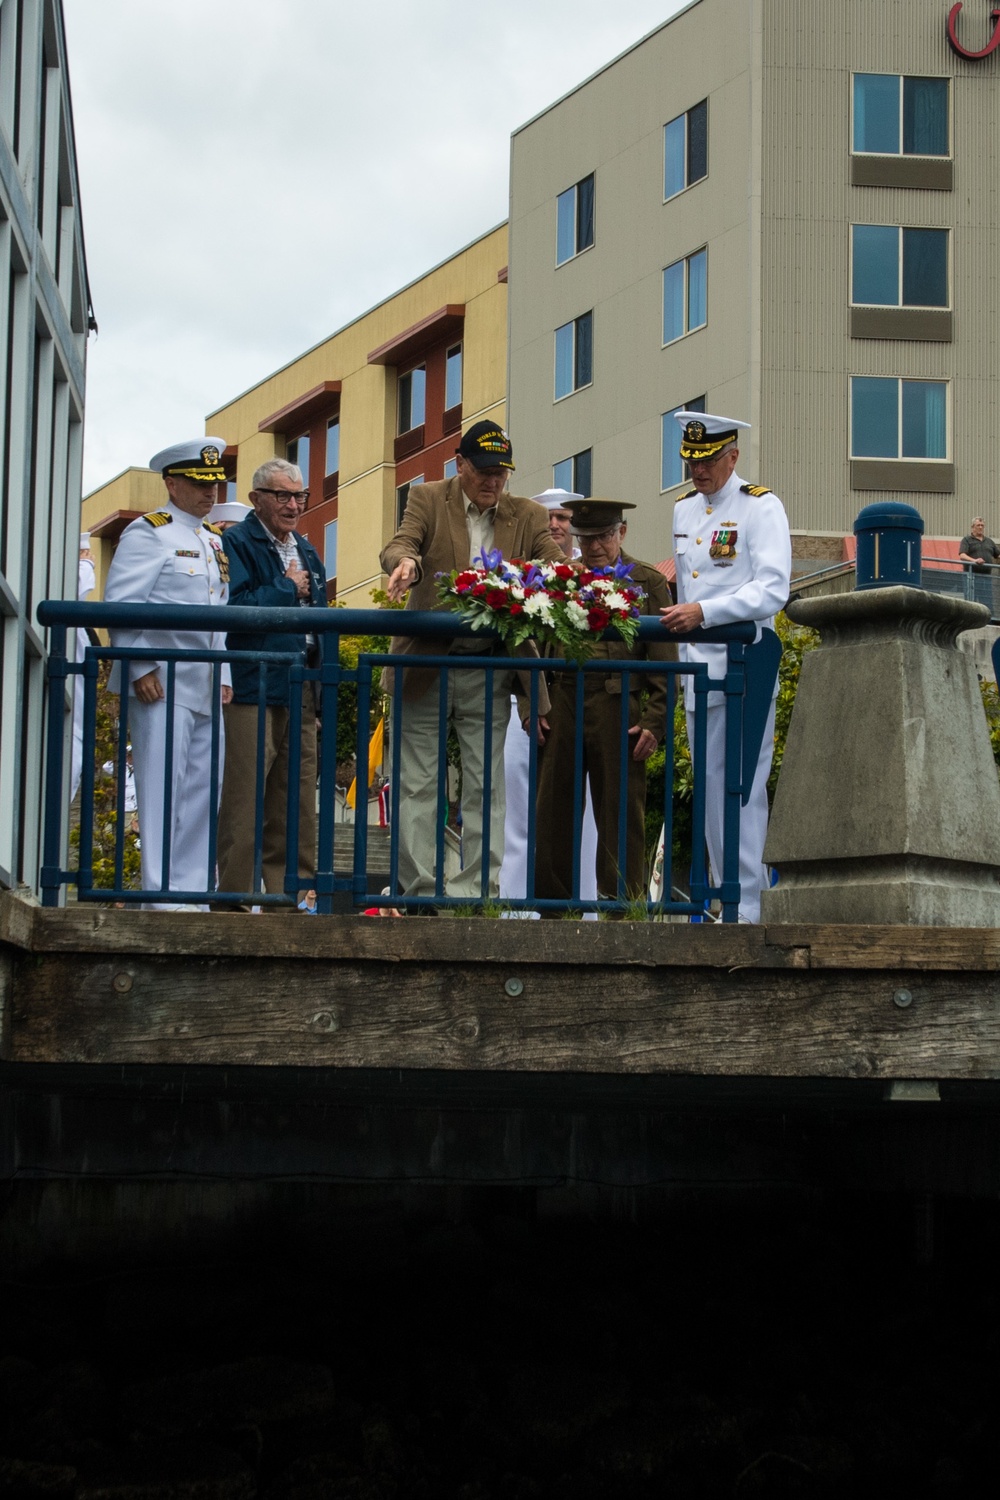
<point x="747" y="578"/>
<point x="171" y="557"/>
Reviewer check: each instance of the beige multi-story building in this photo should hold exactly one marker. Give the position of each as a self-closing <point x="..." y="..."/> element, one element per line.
<point x="784" y="213"/>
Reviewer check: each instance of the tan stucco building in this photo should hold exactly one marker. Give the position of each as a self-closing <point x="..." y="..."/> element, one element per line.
<point x="784" y="213"/>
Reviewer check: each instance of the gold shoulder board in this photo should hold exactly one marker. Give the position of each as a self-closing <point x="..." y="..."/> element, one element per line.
<point x="689" y="495"/>
<point x="158" y="517"/>
<point x="211" y="526"/>
<point x="755" y="489"/>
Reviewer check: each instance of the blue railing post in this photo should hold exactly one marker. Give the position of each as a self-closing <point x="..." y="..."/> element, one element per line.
<point x="296" y="708"/>
<point x="359" y="875"/>
<point x="735" y="689"/>
<point x="51" y="873"/>
<point x="330" y="678"/>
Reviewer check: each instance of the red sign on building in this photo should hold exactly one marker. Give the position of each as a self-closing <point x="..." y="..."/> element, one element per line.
<point x="956" y="45"/>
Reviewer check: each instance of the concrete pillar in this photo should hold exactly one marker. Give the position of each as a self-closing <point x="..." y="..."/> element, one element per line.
<point x="888" y="804"/>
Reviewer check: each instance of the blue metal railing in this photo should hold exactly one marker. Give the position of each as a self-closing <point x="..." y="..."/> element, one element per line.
<point x="747" y="685"/>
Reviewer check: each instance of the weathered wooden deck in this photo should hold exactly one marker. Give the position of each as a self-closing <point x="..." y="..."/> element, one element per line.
<point x="92" y="986"/>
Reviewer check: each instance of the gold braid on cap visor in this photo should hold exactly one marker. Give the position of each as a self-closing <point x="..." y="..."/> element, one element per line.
<point x="709" y="448"/>
<point x="197" y="476"/>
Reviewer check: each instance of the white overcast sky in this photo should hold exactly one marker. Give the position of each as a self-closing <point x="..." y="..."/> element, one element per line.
<point x="256" y="173"/>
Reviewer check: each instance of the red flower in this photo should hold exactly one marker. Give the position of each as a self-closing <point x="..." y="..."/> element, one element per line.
<point x="496" y="598"/>
<point x="598" y="618"/>
<point x="517" y="609"/>
<point x="563" y="570"/>
<point x="479" y="590"/>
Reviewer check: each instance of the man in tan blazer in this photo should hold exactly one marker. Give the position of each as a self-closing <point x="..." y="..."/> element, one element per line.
<point x="448" y="524"/>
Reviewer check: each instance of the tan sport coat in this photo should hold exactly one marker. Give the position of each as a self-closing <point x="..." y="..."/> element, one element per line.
<point x="434" y="534"/>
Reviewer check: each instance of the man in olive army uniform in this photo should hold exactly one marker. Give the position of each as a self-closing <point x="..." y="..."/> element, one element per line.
<point x="600" y="528"/>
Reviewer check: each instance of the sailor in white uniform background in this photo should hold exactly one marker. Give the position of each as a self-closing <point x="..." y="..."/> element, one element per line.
<point x="171" y="556"/>
<point x="514" y="870"/>
<point x="733" y="556"/>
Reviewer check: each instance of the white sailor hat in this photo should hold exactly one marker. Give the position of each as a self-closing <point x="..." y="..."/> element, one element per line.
<point x="228" y="510"/>
<point x="198" y="459"/>
<point x="703" y="436"/>
<point x="556" y="499"/>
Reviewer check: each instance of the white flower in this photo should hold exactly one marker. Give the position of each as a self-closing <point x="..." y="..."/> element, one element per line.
<point x="576" y="615"/>
<point x="516" y="591"/>
<point x="540" y="605"/>
<point x="614" y="600"/>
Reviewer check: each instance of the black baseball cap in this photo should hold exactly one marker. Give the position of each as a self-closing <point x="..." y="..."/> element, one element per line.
<point x="486" y="446"/>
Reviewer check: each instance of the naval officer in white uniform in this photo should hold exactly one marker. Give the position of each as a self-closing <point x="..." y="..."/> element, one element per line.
<point x="171" y="556"/>
<point x="733" y="556"/>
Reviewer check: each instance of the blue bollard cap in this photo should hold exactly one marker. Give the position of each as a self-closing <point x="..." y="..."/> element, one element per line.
<point x="888" y="546"/>
<point x="888" y="513"/>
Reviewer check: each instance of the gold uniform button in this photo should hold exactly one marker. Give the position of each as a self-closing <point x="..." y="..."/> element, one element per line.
<point x="697" y="541"/>
<point x="695" y="573"/>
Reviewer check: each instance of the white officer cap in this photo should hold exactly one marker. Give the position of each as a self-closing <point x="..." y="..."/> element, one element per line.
<point x="198" y="459"/>
<point x="228" y="510"/>
<point x="703" y="436"/>
<point x="556" y="499"/>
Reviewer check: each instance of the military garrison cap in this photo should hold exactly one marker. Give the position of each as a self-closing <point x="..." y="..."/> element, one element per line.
<point x="199" y="459"/>
<point x="591" y="517"/>
<point x="703" y="436"/>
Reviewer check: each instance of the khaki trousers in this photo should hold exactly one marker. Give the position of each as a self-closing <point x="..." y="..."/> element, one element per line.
<point x="239" y="790"/>
<point x="418" y="782"/>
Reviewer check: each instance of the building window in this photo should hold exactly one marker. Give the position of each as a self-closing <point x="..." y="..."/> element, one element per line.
<point x="574" y="474"/>
<point x="450" y="468"/>
<point x="898" y="418"/>
<point x="574" y="355"/>
<point x="895" y="267"/>
<point x="297" y="452"/>
<point x="412" y="392"/>
<point x="673" y="469"/>
<point x="685" y="296"/>
<point x="896" y="116"/>
<point x="575" y="220"/>
<point x="453" y="377"/>
<point x="685" y="150"/>
<point x="402" y="495"/>
<point x="332" y="446"/>
<point x="330" y="550"/>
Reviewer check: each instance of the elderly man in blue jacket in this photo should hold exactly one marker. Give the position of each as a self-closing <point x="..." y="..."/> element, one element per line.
<point x="271" y="566"/>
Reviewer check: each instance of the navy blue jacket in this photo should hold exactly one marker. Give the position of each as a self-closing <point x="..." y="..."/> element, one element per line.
<point x="257" y="576"/>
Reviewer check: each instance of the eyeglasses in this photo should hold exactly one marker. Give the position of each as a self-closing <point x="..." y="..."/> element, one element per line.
<point x="603" y="536"/>
<point x="296" y="497"/>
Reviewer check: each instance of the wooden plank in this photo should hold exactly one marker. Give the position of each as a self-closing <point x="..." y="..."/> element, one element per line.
<point x="443" y="940"/>
<point x="959" y="949"/>
<point x="592" y="1019"/>
<point x="95" y="929"/>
